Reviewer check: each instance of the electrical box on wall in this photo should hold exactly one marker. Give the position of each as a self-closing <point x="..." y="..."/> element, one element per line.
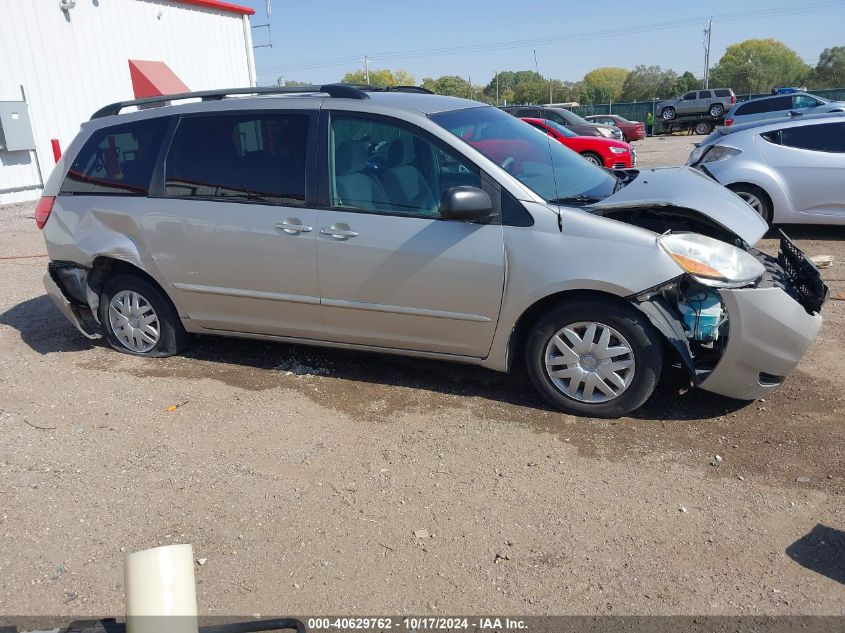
<point x="15" y="128"/>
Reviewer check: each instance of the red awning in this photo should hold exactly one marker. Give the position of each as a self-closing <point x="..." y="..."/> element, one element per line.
<point x="154" y="79"/>
<point x="222" y="6"/>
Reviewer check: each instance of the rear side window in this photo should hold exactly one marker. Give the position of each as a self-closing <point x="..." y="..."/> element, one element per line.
<point x="826" y="137"/>
<point x="256" y="157"/>
<point x="722" y="93"/>
<point x="117" y="160"/>
<point x="759" y="106"/>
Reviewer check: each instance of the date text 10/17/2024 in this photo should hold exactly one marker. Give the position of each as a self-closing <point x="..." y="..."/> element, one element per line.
<point x="418" y="623"/>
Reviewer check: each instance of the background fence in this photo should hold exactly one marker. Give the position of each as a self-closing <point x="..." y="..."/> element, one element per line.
<point x="637" y="110"/>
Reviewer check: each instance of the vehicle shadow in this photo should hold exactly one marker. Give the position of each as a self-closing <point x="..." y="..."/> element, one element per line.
<point x="671" y="401"/>
<point x="822" y="550"/>
<point x="43" y="327"/>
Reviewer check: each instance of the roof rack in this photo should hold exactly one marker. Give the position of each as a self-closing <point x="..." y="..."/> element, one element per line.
<point x="412" y="89"/>
<point x="347" y="91"/>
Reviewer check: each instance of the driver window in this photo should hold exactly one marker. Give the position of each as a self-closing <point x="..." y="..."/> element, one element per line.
<point x="379" y="167"/>
<point x="803" y="101"/>
<point x="690" y="96"/>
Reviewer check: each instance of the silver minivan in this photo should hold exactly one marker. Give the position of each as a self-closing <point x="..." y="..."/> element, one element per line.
<point x="421" y="225"/>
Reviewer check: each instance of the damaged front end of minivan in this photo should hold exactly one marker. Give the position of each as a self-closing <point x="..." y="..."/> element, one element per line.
<point x="739" y="324"/>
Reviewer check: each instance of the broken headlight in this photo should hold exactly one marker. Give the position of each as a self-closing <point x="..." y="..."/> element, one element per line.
<point x="711" y="262"/>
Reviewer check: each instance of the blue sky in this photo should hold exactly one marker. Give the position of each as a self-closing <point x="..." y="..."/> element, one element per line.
<point x="321" y="41"/>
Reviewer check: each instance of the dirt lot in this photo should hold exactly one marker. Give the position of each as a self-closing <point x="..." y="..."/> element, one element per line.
<point x="302" y="474"/>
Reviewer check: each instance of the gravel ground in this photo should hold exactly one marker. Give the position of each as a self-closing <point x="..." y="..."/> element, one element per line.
<point x="302" y="475"/>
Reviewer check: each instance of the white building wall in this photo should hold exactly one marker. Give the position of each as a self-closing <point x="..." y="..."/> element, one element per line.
<point x="72" y="63"/>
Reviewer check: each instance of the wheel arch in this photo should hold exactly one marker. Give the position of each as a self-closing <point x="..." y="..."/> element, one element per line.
<point x="522" y="327"/>
<point x="104" y="267"/>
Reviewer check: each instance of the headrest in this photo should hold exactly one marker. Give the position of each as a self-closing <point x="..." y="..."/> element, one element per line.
<point x="350" y="157"/>
<point x="400" y="152"/>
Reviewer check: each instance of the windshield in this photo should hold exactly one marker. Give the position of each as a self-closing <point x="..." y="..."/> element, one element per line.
<point x="545" y="166"/>
<point x="557" y="127"/>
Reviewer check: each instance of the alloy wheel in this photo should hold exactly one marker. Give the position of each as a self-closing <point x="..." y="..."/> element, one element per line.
<point x="754" y="202"/>
<point x="590" y="362"/>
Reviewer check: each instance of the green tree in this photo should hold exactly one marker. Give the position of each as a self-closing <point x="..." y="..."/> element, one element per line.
<point x="755" y="66"/>
<point x="521" y="86"/>
<point x="603" y="84"/>
<point x="683" y="84"/>
<point x="450" y="85"/>
<point x="382" y="77"/>
<point x="293" y="82"/>
<point x="830" y="71"/>
<point x="645" y="83"/>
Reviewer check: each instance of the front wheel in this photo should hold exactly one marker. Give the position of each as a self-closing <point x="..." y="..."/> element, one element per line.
<point x="668" y="114"/>
<point x="597" y="358"/>
<point x="139" y="319"/>
<point x="595" y="159"/>
<point x="756" y="198"/>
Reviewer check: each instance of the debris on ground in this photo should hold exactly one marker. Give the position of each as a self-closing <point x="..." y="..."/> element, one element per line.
<point x="202" y="561"/>
<point x="822" y="261"/>
<point x="292" y="367"/>
<point x="803" y="480"/>
<point x="421" y="533"/>
<point x="716" y="460"/>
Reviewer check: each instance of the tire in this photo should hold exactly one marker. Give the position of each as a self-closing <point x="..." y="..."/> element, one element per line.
<point x="703" y="127"/>
<point x="131" y="298"/>
<point x="717" y="110"/>
<point x="624" y="328"/>
<point x="756" y="198"/>
<point x="593" y="158"/>
<point x="668" y="114"/>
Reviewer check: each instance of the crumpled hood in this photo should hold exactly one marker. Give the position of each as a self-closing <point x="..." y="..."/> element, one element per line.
<point x="688" y="188"/>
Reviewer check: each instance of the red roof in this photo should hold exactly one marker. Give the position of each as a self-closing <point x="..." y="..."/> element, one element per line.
<point x="221" y="6"/>
<point x="154" y="79"/>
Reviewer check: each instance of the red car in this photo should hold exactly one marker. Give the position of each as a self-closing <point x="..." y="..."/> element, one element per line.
<point x="600" y="151"/>
<point x="631" y="130"/>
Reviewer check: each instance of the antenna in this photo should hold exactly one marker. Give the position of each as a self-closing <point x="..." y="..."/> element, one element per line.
<point x="707" y="34"/>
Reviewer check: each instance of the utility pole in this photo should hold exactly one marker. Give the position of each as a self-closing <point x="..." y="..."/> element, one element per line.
<point x="708" y="33"/>
<point x="366" y="70"/>
<point x="496" y="72"/>
<point x="536" y="67"/>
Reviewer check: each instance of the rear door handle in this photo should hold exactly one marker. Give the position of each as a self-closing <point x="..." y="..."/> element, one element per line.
<point x="338" y="232"/>
<point x="293" y="226"/>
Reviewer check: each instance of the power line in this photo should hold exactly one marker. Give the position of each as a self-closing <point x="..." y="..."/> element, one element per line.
<point x="561" y="39"/>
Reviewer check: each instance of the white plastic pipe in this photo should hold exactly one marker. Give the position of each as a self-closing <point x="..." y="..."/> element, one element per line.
<point x="161" y="591"/>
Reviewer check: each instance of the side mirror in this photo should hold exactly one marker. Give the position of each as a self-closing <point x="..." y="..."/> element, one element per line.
<point x="466" y="204"/>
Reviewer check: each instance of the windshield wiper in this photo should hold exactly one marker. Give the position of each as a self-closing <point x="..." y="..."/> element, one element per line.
<point x="576" y="200"/>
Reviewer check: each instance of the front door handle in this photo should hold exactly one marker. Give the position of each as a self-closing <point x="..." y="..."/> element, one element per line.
<point x="293" y="226"/>
<point x="338" y="232"/>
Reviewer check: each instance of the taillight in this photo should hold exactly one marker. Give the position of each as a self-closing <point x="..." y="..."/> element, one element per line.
<point x="733" y="99"/>
<point x="729" y="121"/>
<point x="42" y="211"/>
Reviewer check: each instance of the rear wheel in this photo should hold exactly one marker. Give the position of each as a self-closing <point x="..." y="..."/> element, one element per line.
<point x="717" y="110"/>
<point x="593" y="158"/>
<point x="703" y="127"/>
<point x="756" y="198"/>
<point x="139" y="319"/>
<point x="668" y="114"/>
<point x="596" y="357"/>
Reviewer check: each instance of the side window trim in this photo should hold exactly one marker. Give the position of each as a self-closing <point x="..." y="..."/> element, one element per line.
<point x="324" y="165"/>
<point x="158" y="183"/>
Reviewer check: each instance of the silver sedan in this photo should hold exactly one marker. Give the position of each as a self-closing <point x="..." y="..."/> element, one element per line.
<point x="788" y="170"/>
